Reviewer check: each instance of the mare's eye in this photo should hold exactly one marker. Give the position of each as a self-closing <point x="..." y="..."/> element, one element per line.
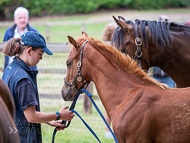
<point x="69" y="63"/>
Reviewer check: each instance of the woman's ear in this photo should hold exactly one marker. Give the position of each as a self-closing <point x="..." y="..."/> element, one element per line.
<point x="29" y="50"/>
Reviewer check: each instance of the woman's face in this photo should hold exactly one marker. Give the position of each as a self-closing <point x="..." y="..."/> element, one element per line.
<point x="34" y="57"/>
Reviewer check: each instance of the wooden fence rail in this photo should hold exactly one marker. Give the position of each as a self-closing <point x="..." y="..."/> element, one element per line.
<point x="83" y="25"/>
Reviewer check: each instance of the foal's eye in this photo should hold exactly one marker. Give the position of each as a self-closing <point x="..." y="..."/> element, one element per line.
<point x="69" y="63"/>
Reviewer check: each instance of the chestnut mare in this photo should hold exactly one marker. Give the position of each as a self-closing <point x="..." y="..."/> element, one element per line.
<point x="164" y="44"/>
<point x="8" y="133"/>
<point x="141" y="109"/>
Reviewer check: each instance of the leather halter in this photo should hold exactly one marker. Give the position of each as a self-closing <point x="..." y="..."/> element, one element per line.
<point x="138" y="54"/>
<point x="78" y="76"/>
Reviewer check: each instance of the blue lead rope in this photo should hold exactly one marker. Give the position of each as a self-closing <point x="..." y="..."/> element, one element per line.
<point x="64" y="122"/>
<point x="97" y="109"/>
<point x="86" y="125"/>
<point x="72" y="109"/>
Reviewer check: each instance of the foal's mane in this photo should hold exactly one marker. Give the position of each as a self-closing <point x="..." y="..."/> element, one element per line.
<point x="124" y="62"/>
<point x="159" y="31"/>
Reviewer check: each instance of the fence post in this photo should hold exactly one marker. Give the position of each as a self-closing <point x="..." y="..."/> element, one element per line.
<point x="47" y="33"/>
<point x="87" y="101"/>
<point x="83" y="27"/>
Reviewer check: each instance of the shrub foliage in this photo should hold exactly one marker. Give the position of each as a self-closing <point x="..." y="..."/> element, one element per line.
<point x="50" y="7"/>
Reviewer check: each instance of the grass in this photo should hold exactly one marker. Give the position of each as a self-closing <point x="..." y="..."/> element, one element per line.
<point x="93" y="30"/>
<point x="58" y="33"/>
<point x="77" y="131"/>
<point x="68" y="18"/>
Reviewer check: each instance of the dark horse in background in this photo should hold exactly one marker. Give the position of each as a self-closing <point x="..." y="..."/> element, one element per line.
<point x="8" y="132"/>
<point x="162" y="44"/>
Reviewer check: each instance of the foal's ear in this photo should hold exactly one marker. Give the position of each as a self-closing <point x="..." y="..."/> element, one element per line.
<point x="121" y="23"/>
<point x="84" y="34"/>
<point x="72" y="41"/>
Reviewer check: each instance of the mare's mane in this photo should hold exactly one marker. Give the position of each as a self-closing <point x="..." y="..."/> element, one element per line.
<point x="159" y="31"/>
<point x="124" y="62"/>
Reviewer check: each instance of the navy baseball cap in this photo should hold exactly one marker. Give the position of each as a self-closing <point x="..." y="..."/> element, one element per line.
<point x="35" y="39"/>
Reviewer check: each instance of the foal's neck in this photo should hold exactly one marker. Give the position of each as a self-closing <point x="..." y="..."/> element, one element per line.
<point x="112" y="81"/>
<point x="113" y="85"/>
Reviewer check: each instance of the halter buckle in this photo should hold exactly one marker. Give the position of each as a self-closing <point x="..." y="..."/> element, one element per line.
<point x="79" y="64"/>
<point x="138" y="56"/>
<point x="138" y="41"/>
<point x="79" y="78"/>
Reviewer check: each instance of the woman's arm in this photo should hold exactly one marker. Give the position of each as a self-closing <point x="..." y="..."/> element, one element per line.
<point x="34" y="116"/>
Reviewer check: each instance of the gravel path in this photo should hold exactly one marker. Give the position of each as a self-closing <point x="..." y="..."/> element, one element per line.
<point x="175" y="15"/>
<point x="179" y="16"/>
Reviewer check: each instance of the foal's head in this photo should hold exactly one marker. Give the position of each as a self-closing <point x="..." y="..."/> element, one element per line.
<point x="76" y="76"/>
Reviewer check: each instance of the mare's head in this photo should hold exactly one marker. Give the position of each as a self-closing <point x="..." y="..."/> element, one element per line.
<point x="77" y="73"/>
<point x="137" y="38"/>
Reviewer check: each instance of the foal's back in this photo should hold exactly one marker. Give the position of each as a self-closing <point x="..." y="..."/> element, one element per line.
<point x="171" y="111"/>
<point x="155" y="115"/>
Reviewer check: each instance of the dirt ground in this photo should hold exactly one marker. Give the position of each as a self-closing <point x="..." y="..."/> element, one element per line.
<point x="175" y="15"/>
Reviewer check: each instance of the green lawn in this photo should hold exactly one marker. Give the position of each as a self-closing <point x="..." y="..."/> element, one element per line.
<point x="77" y="131"/>
<point x="58" y="33"/>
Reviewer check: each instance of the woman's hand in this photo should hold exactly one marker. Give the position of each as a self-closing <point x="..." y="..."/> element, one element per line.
<point x="57" y="124"/>
<point x="65" y="114"/>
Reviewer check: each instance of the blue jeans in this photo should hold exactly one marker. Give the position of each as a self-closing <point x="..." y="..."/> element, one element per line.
<point x="167" y="80"/>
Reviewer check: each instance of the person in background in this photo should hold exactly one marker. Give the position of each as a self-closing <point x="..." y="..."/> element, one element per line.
<point x="108" y="31"/>
<point x="187" y="23"/>
<point x="163" y="18"/>
<point x="21" y="80"/>
<point x="158" y="74"/>
<point x="108" y="134"/>
<point x="21" y="26"/>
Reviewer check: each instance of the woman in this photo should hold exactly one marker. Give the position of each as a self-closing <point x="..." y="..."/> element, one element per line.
<point x="29" y="49"/>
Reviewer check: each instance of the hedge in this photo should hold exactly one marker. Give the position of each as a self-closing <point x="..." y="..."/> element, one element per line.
<point x="50" y="7"/>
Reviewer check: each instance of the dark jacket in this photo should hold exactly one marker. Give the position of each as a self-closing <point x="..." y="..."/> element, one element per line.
<point x="157" y="72"/>
<point x="15" y="72"/>
<point x="8" y="35"/>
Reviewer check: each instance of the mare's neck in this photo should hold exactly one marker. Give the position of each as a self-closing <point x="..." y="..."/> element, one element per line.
<point x="175" y="60"/>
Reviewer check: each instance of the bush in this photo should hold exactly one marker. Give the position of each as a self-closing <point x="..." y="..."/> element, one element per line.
<point x="4" y="3"/>
<point x="158" y="4"/>
<point x="46" y="7"/>
<point x="39" y="8"/>
<point x="110" y="3"/>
